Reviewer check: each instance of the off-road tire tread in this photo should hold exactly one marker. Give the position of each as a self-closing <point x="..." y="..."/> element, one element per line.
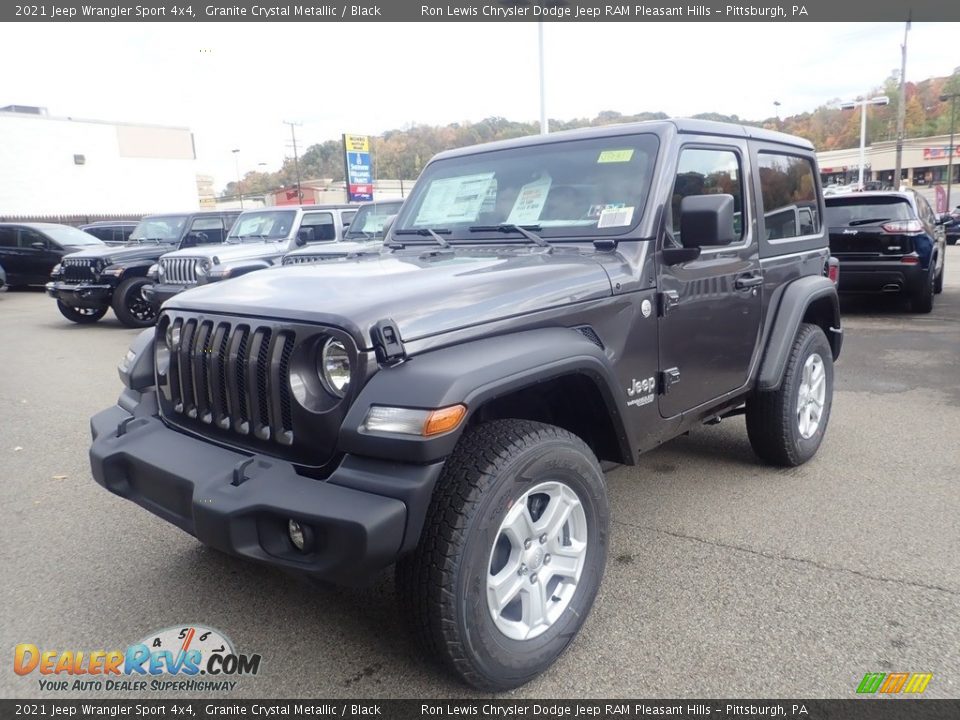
<point x="422" y="577"/>
<point x="70" y="314"/>
<point x="120" y="309"/>
<point x="768" y="413"/>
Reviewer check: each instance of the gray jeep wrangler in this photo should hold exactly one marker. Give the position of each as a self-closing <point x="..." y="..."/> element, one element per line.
<point x="545" y="304"/>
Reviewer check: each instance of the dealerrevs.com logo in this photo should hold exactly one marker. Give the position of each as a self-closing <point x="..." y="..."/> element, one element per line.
<point x="190" y="658"/>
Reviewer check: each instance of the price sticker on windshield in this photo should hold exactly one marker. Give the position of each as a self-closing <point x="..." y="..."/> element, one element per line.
<point x="615" y="156"/>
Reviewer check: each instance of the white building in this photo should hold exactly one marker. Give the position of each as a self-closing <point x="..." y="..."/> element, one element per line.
<point x="55" y="166"/>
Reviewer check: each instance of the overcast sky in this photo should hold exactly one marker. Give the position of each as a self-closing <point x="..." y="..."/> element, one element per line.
<point x="234" y="84"/>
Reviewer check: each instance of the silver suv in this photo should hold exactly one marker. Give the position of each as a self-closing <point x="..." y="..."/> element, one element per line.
<point x="259" y="239"/>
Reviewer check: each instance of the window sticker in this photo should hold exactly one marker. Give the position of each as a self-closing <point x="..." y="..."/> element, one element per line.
<point x="454" y="200"/>
<point x="615" y="217"/>
<point x="615" y="156"/>
<point x="595" y="210"/>
<point x="530" y="202"/>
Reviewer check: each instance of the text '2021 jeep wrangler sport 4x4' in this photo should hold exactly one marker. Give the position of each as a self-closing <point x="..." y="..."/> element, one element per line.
<point x="549" y="303"/>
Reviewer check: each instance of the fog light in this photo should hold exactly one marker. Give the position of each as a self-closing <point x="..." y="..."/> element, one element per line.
<point x="300" y="536"/>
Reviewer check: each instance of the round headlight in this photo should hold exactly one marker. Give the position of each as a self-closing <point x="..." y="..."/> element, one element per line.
<point x="201" y="267"/>
<point x="335" y="368"/>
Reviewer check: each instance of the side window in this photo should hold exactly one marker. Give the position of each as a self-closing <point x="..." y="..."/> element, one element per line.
<point x="926" y="212"/>
<point x="28" y="237"/>
<point x="789" y="196"/>
<point x="8" y="237"/>
<point x="321" y="225"/>
<point x="212" y="227"/>
<point x="708" y="172"/>
<point x="347" y="217"/>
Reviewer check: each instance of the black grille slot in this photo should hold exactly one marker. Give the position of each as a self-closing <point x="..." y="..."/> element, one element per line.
<point x="239" y="372"/>
<point x="286" y="414"/>
<point x="263" y="389"/>
<point x="188" y="402"/>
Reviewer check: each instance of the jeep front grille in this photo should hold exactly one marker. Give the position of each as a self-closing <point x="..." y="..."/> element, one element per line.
<point x="179" y="271"/>
<point x="233" y="376"/>
<point x="77" y="270"/>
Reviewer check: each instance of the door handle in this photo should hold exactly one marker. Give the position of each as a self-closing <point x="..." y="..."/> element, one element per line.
<point x="745" y="282"/>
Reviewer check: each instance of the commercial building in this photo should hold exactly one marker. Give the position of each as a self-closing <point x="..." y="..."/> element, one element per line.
<point x="61" y="167"/>
<point x="924" y="162"/>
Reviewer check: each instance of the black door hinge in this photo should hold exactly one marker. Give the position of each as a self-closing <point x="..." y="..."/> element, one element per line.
<point x="387" y="343"/>
<point x="668" y="378"/>
<point x="668" y="299"/>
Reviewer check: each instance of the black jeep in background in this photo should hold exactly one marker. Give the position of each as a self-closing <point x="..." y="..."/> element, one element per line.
<point x="29" y="251"/>
<point x="545" y="304"/>
<point x="888" y="242"/>
<point x="86" y="284"/>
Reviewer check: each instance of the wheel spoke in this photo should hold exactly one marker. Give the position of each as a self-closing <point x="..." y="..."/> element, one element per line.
<point x="534" y="604"/>
<point x="555" y="516"/>
<point x="566" y="561"/>
<point x="503" y="587"/>
<point x="518" y="525"/>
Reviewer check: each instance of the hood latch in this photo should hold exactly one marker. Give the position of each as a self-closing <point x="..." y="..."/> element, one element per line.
<point x="387" y="343"/>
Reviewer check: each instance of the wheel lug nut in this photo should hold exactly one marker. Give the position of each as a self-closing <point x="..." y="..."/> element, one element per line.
<point x="533" y="579"/>
<point x="546" y="559"/>
<point x="523" y="570"/>
<point x="527" y="543"/>
<point x="543" y="538"/>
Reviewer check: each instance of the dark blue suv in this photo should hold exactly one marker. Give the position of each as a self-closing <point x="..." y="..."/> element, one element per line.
<point x="888" y="242"/>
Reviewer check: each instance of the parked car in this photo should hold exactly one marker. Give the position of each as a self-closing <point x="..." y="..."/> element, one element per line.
<point x="888" y="242"/>
<point x="363" y="237"/>
<point x="951" y="227"/>
<point x="87" y="284"/>
<point x="112" y="232"/>
<point x="3" y="278"/>
<point x="543" y="304"/>
<point x="259" y="239"/>
<point x="29" y="251"/>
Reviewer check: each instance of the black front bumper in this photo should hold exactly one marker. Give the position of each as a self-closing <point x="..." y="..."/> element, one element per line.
<point x="361" y="518"/>
<point x="158" y="293"/>
<point x="82" y="295"/>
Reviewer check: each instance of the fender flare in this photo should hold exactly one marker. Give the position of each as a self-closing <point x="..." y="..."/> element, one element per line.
<point x="796" y="299"/>
<point x="242" y="267"/>
<point x="474" y="373"/>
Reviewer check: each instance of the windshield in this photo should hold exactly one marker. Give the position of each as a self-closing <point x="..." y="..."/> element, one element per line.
<point x="367" y="224"/>
<point x="859" y="210"/>
<point x="566" y="189"/>
<point x="265" y="225"/>
<point x="66" y="235"/>
<point x="166" y="228"/>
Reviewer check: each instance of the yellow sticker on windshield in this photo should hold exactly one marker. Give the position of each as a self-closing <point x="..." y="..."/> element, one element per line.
<point x="609" y="156"/>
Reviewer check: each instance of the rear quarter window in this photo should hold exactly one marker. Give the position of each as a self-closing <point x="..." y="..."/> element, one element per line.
<point x="788" y="191"/>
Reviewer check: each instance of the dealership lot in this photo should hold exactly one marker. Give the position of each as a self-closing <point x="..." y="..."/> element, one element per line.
<point x="725" y="577"/>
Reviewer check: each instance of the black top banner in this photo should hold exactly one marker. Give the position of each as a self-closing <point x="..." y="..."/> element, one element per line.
<point x="472" y="11"/>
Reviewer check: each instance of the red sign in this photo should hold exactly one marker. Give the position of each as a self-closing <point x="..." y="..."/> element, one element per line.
<point x="940" y="152"/>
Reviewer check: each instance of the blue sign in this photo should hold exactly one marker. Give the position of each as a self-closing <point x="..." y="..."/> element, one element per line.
<point x="359" y="168"/>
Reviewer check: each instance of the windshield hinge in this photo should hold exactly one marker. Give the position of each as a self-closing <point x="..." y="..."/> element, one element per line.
<point x="387" y="343"/>
<point x="605" y="244"/>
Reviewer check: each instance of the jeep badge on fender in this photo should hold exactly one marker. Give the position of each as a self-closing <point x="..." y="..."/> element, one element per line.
<point x="444" y="406"/>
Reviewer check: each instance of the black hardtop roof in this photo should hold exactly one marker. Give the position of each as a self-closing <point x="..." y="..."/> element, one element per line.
<point x="900" y="194"/>
<point x="657" y="127"/>
<point x="190" y="213"/>
<point x="98" y="223"/>
<point x="35" y="225"/>
<point x="326" y="206"/>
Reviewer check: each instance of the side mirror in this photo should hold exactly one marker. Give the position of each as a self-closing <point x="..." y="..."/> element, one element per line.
<point x="304" y="236"/>
<point x="387" y="224"/>
<point x="706" y="220"/>
<point x="944" y="219"/>
<point x="38" y="245"/>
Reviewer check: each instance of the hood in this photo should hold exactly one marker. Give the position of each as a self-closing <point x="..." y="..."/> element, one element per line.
<point x="335" y="250"/>
<point x="228" y="252"/>
<point x="424" y="293"/>
<point x="125" y="253"/>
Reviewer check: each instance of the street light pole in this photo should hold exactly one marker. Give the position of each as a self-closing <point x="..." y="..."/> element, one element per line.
<point x="901" y="108"/>
<point x="236" y="162"/>
<point x="862" y="104"/>
<point x="544" y="127"/>
<point x="952" y="97"/>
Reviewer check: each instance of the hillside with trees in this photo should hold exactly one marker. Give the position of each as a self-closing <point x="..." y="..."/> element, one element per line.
<point x="402" y="153"/>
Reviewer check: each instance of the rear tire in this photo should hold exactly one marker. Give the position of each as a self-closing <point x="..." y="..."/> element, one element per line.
<point x="786" y="426"/>
<point x="938" y="283"/>
<point x="922" y="300"/>
<point x="130" y="306"/>
<point x="502" y="578"/>
<point x="81" y="316"/>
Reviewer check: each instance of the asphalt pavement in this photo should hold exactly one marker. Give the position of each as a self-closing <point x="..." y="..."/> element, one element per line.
<point x="726" y="578"/>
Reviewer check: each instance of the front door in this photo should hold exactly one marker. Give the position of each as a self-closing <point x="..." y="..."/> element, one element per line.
<point x="711" y="306"/>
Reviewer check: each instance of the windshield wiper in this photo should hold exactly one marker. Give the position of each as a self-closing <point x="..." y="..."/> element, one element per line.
<point x="425" y="232"/>
<point x="867" y="221"/>
<point x="508" y="228"/>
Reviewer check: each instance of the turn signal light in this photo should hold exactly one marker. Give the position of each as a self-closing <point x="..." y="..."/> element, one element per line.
<point x="903" y="227"/>
<point x="413" y="421"/>
<point x="444" y="420"/>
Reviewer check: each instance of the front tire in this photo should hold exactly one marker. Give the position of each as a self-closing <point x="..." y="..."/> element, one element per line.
<point x="922" y="299"/>
<point x="938" y="283"/>
<point x="786" y="426"/>
<point x="130" y="306"/>
<point x="511" y="555"/>
<point x="81" y="316"/>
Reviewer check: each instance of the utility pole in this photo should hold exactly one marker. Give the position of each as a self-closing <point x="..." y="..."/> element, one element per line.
<point x="901" y="108"/>
<point x="952" y="99"/>
<point x="544" y="126"/>
<point x="296" y="159"/>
